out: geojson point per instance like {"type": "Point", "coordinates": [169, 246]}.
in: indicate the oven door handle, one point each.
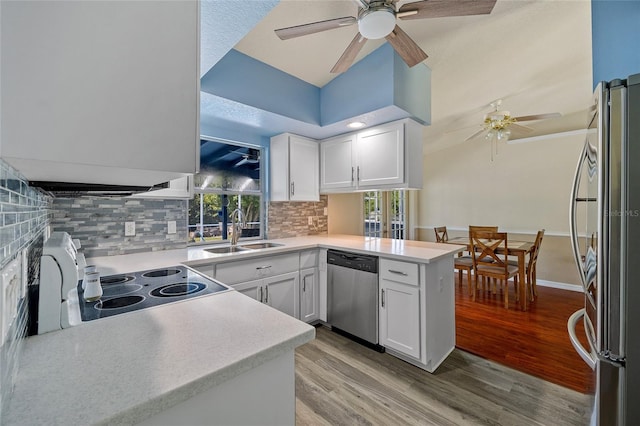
{"type": "Point", "coordinates": [587, 356]}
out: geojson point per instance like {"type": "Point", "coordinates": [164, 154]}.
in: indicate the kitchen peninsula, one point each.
{"type": "Point", "coordinates": [191, 358]}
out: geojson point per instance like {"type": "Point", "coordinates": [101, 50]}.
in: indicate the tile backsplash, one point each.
{"type": "Point", "coordinates": [291, 218]}
{"type": "Point", "coordinates": [23, 220]}
{"type": "Point", "coordinates": [99, 222]}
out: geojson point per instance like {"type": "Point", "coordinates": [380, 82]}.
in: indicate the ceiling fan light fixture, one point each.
{"type": "Point", "coordinates": [376, 23]}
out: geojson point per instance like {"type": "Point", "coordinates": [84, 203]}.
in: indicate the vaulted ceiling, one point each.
{"type": "Point", "coordinates": [535, 55]}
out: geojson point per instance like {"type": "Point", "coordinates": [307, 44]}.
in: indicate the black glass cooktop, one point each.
{"type": "Point", "coordinates": [138, 290]}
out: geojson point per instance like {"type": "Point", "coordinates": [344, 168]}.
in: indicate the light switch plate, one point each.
{"type": "Point", "coordinates": [310, 220]}
{"type": "Point", "coordinates": [171, 227]}
{"type": "Point", "coordinates": [129, 229]}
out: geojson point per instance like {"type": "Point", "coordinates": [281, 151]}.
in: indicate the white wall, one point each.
{"type": "Point", "coordinates": [525, 188]}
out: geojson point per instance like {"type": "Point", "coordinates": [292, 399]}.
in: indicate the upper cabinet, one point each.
{"type": "Point", "coordinates": [181, 189]}
{"type": "Point", "coordinates": [293, 168]}
{"type": "Point", "coordinates": [100, 92]}
{"type": "Point", "coordinates": [382, 157]}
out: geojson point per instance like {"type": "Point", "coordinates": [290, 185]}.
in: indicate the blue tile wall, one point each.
{"type": "Point", "coordinates": [23, 219]}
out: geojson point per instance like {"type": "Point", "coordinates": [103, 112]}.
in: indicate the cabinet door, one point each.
{"type": "Point", "coordinates": [400, 317]}
{"type": "Point", "coordinates": [336, 163]}
{"type": "Point", "coordinates": [253, 289]}
{"type": "Point", "coordinates": [121, 87]}
{"type": "Point", "coordinates": [380, 156]}
{"type": "Point", "coordinates": [281, 293]}
{"type": "Point", "coordinates": [303, 170]}
{"type": "Point", "coordinates": [309, 303]}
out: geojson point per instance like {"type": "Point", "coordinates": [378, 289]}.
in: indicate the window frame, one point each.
{"type": "Point", "coordinates": [197, 191]}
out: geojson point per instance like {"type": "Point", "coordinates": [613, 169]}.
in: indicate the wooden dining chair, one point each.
{"type": "Point", "coordinates": [484, 247]}
{"type": "Point", "coordinates": [441, 234]}
{"type": "Point", "coordinates": [460, 263]}
{"type": "Point", "coordinates": [530, 271]}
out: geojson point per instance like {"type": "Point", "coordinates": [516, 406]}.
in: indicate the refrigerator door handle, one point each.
{"type": "Point", "coordinates": [586, 355]}
{"type": "Point", "coordinates": [572, 217]}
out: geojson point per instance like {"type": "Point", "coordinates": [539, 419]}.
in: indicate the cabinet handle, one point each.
{"type": "Point", "coordinates": [293, 188]}
{"type": "Point", "coordinates": [358, 173]}
{"type": "Point", "coordinates": [260, 293]}
{"type": "Point", "coordinates": [266, 294]}
{"type": "Point", "coordinates": [404, 274]}
{"type": "Point", "coordinates": [352, 172]}
{"type": "Point", "coordinates": [304, 284]}
{"type": "Point", "coordinates": [263, 267]}
{"type": "Point", "coordinates": [382, 299]}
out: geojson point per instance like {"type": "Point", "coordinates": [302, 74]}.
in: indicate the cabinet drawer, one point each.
{"type": "Point", "coordinates": [308, 259]}
{"type": "Point", "coordinates": [251, 269]}
{"type": "Point", "coordinates": [401, 272]}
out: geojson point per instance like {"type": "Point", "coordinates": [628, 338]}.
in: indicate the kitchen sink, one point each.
{"type": "Point", "coordinates": [256, 246]}
{"type": "Point", "coordinates": [224, 250]}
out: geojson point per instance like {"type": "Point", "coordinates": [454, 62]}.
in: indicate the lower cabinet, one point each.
{"type": "Point", "coordinates": [279, 292]}
{"type": "Point", "coordinates": [400, 317]}
{"type": "Point", "coordinates": [309, 292]}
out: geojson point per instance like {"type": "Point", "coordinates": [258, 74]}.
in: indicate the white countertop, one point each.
{"type": "Point", "coordinates": [413, 251]}
{"type": "Point", "coordinates": [125, 368]}
{"type": "Point", "coordinates": [122, 369]}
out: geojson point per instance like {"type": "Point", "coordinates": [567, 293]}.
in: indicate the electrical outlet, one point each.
{"type": "Point", "coordinates": [171, 227]}
{"type": "Point", "coordinates": [129, 229]}
{"type": "Point", "coordinates": [310, 220]}
{"type": "Point", "coordinates": [325, 212]}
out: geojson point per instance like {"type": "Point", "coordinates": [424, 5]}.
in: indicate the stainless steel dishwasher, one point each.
{"type": "Point", "coordinates": [352, 286]}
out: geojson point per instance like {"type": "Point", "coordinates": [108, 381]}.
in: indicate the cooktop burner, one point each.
{"type": "Point", "coordinates": [138, 290]}
{"type": "Point", "coordinates": [161, 273]}
{"type": "Point", "coordinates": [116, 279]}
{"type": "Point", "coordinates": [178, 289]}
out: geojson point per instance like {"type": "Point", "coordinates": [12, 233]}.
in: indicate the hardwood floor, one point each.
{"type": "Point", "coordinates": [535, 341]}
{"type": "Point", "coordinates": [339, 382]}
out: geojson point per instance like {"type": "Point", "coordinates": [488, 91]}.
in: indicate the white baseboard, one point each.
{"type": "Point", "coordinates": [562, 286]}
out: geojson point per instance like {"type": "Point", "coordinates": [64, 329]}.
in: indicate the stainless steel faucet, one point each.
{"type": "Point", "coordinates": [237, 223]}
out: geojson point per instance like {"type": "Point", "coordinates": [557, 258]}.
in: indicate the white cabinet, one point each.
{"type": "Point", "coordinates": [337, 166]}
{"type": "Point", "coordinates": [293, 166]}
{"type": "Point", "coordinates": [382, 157]}
{"type": "Point", "coordinates": [400, 307]}
{"type": "Point", "coordinates": [100, 92]}
{"type": "Point", "coordinates": [279, 292]}
{"type": "Point", "coordinates": [309, 290]}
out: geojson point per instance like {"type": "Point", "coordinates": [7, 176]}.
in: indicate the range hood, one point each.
{"type": "Point", "coordinates": [73, 189]}
{"type": "Point", "coordinates": [73, 180]}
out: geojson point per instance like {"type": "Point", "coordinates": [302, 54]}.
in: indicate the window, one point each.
{"type": "Point", "coordinates": [382, 208]}
{"type": "Point", "coordinates": [229, 179]}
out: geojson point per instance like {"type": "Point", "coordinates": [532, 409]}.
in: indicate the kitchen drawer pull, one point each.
{"type": "Point", "coordinates": [358, 173]}
{"type": "Point", "coordinates": [293, 188]}
{"type": "Point", "coordinates": [382, 298]}
{"type": "Point", "coordinates": [266, 294]}
{"type": "Point", "coordinates": [260, 293]}
{"type": "Point", "coordinates": [352, 171]}
{"type": "Point", "coordinates": [263, 267]}
{"type": "Point", "coordinates": [393, 271]}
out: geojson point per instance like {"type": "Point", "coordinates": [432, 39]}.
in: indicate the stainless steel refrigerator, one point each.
{"type": "Point", "coordinates": [605, 234]}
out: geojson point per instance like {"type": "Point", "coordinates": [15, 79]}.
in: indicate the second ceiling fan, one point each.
{"type": "Point", "coordinates": [377, 19]}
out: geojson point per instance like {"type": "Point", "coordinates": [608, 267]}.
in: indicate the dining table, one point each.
{"type": "Point", "coordinates": [515, 248]}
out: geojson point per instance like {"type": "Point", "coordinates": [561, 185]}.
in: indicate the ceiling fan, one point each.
{"type": "Point", "coordinates": [252, 157]}
{"type": "Point", "coordinates": [377, 19]}
{"type": "Point", "coordinates": [499, 124]}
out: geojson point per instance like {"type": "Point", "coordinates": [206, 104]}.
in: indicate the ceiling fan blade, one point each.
{"type": "Point", "coordinates": [349, 55]}
{"type": "Point", "coordinates": [475, 135]}
{"type": "Point", "coordinates": [444, 8]}
{"type": "Point", "coordinates": [314, 27]}
{"type": "Point", "coordinates": [538, 116]}
{"type": "Point", "coordinates": [408, 50]}
{"type": "Point", "coordinates": [520, 127]}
